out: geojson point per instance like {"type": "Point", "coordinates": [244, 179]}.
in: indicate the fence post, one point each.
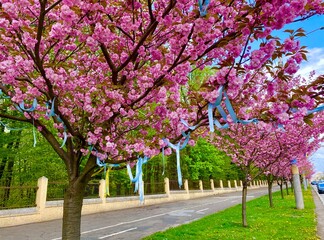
{"type": "Point", "coordinates": [229, 183]}
{"type": "Point", "coordinates": [221, 184]}
{"type": "Point", "coordinates": [167, 186]}
{"type": "Point", "coordinates": [212, 186]}
{"type": "Point", "coordinates": [241, 184]}
{"type": "Point", "coordinates": [102, 190]}
{"type": "Point", "coordinates": [41, 193]}
{"type": "Point", "coordinates": [235, 184]}
{"type": "Point", "coordinates": [201, 188]}
{"type": "Point", "coordinates": [186, 186]}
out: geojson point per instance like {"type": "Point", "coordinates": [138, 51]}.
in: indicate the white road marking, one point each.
{"type": "Point", "coordinates": [249, 196]}
{"type": "Point", "coordinates": [191, 220]}
{"type": "Point", "coordinates": [183, 213]}
{"type": "Point", "coordinates": [113, 234]}
{"type": "Point", "coordinates": [228, 197]}
{"type": "Point", "coordinates": [202, 210]}
{"type": "Point", "coordinates": [142, 219]}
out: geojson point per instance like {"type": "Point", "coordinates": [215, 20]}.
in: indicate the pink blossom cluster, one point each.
{"type": "Point", "coordinates": [117, 71]}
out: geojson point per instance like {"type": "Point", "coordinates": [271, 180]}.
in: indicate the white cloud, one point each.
{"type": "Point", "coordinates": [318, 159]}
{"type": "Point", "coordinates": [315, 62]}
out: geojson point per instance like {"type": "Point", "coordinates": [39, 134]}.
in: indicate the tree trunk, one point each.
{"type": "Point", "coordinates": [73, 199]}
{"type": "Point", "coordinates": [281, 190]}
{"type": "Point", "coordinates": [244, 197]}
{"type": "Point", "coordinates": [270, 194]}
{"type": "Point", "coordinates": [287, 189]}
{"type": "Point", "coordinates": [270, 182]}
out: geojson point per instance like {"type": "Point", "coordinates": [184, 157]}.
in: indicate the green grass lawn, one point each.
{"type": "Point", "coordinates": [265, 223]}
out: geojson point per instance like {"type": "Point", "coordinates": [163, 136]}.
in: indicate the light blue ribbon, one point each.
{"type": "Point", "coordinates": [163, 162]}
{"type": "Point", "coordinates": [113, 165]}
{"type": "Point", "coordinates": [31, 109]}
{"type": "Point", "coordinates": [34, 134]}
{"type": "Point", "coordinates": [211, 107]}
{"type": "Point", "coordinates": [230, 108]}
{"type": "Point", "coordinates": [102, 163]}
{"type": "Point", "coordinates": [2, 95]}
{"type": "Point", "coordinates": [293, 162]}
{"type": "Point", "coordinates": [177, 147]}
{"type": "Point", "coordinates": [21, 108]}
{"type": "Point", "coordinates": [52, 113]}
{"type": "Point", "coordinates": [318, 109]}
{"type": "Point", "coordinates": [254, 120]}
{"type": "Point", "coordinates": [11, 129]}
{"type": "Point", "coordinates": [192, 128]}
{"type": "Point", "coordinates": [138, 179]}
{"type": "Point", "coordinates": [228, 105]}
{"type": "Point", "coordinates": [203, 5]}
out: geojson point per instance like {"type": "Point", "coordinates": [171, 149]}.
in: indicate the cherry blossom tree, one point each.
{"type": "Point", "coordinates": [279, 134]}
{"type": "Point", "coordinates": [102, 80]}
{"type": "Point", "coordinates": [261, 148]}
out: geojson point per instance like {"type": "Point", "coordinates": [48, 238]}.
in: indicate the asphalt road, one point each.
{"type": "Point", "coordinates": [134, 223]}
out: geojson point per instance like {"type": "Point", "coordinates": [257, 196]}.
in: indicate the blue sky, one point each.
{"type": "Point", "coordinates": [315, 46]}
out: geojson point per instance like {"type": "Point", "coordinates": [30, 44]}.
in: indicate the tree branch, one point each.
{"type": "Point", "coordinates": [7, 116]}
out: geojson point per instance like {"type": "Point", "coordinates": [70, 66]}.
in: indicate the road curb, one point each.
{"type": "Point", "coordinates": [319, 210]}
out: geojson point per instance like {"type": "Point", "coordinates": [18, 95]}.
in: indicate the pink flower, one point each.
{"type": "Point", "coordinates": [161, 111]}
{"type": "Point", "coordinates": [57, 31]}
{"type": "Point", "coordinates": [10, 8]}
{"type": "Point", "coordinates": [156, 55]}
{"type": "Point", "coordinates": [292, 67]}
{"type": "Point", "coordinates": [67, 15]}
{"type": "Point", "coordinates": [290, 45]}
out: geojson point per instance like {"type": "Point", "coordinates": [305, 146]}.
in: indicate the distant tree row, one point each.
{"type": "Point", "coordinates": [21, 164]}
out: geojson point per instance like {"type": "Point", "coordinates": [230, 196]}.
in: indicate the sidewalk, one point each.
{"type": "Point", "coordinates": [319, 213]}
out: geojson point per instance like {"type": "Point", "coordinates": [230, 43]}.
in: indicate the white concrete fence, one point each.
{"type": "Point", "coordinates": [50, 210]}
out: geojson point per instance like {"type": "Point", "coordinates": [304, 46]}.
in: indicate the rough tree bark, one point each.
{"type": "Point", "coordinates": [287, 189]}
{"type": "Point", "coordinates": [72, 208]}
{"type": "Point", "coordinates": [244, 197]}
{"type": "Point", "coordinates": [280, 183]}
{"type": "Point", "coordinates": [270, 183]}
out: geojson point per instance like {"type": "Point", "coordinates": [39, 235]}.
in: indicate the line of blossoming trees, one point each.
{"type": "Point", "coordinates": [110, 79]}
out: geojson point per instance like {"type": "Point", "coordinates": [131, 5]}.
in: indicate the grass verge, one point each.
{"type": "Point", "coordinates": [265, 223]}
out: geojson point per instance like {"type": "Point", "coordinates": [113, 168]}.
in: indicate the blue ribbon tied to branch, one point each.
{"type": "Point", "coordinates": [138, 179]}
{"type": "Point", "coordinates": [318, 109]}
{"type": "Point", "coordinates": [31, 109]}
{"type": "Point", "coordinates": [21, 108]}
{"type": "Point", "coordinates": [217, 104]}
{"type": "Point", "coordinates": [3, 96]}
{"type": "Point", "coordinates": [51, 113]}
{"type": "Point", "coordinates": [177, 147]}
{"type": "Point", "coordinates": [203, 5]}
